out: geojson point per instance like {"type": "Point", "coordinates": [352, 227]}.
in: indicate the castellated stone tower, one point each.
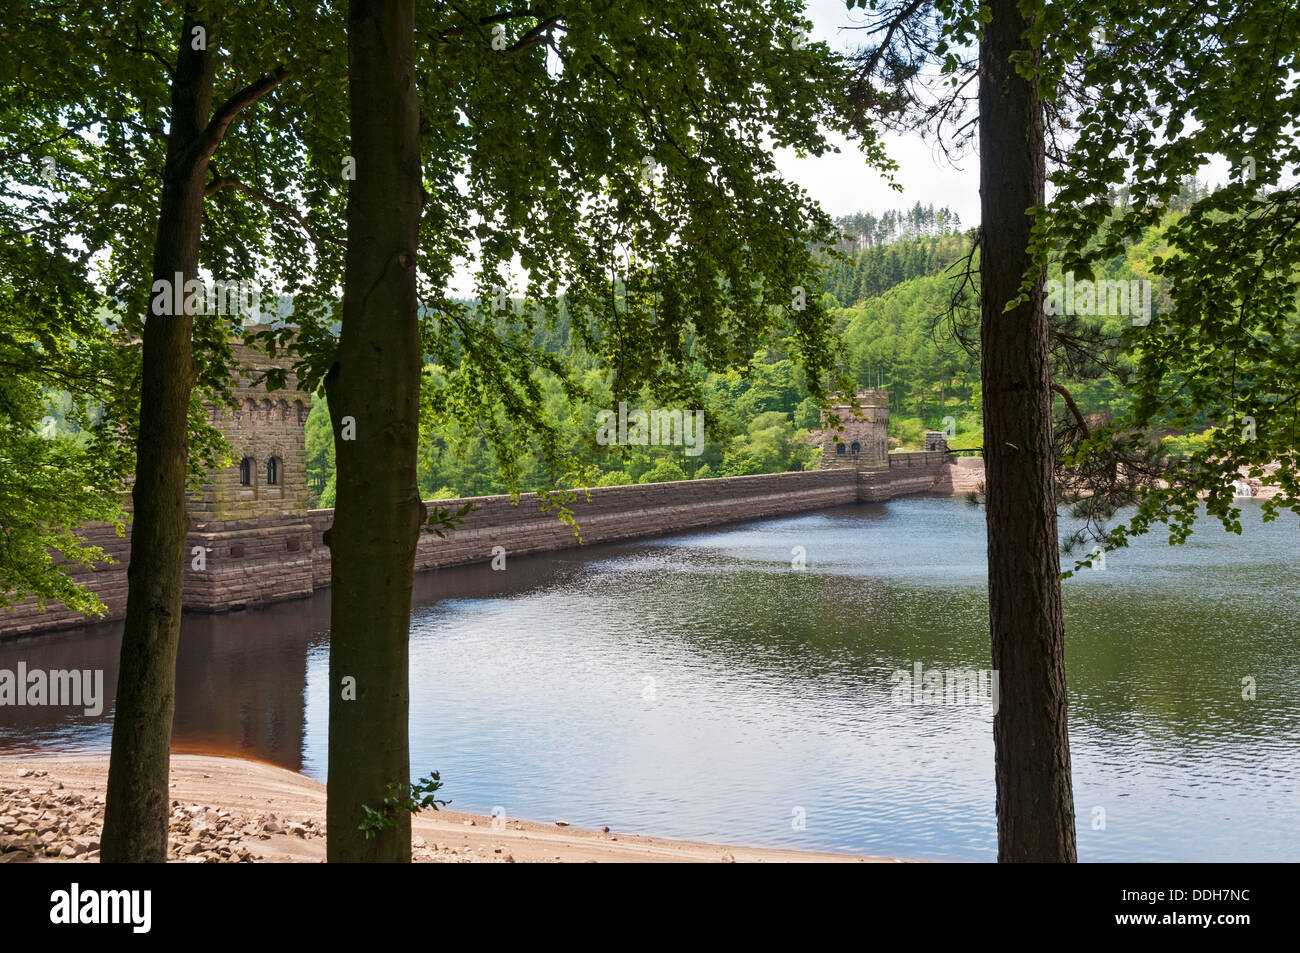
{"type": "Point", "coordinates": [864, 442]}
{"type": "Point", "coordinates": [266, 433]}
{"type": "Point", "coordinates": [249, 540]}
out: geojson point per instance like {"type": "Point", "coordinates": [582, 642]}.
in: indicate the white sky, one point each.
{"type": "Point", "coordinates": [843, 183]}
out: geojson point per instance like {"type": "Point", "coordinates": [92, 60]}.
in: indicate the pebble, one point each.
{"type": "Point", "coordinates": [57, 823]}
{"type": "Point", "coordinates": [60, 824]}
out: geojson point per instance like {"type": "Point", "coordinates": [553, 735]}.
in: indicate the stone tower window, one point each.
{"type": "Point", "coordinates": [246, 471]}
{"type": "Point", "coordinates": [857, 448]}
{"type": "Point", "coordinates": [839, 449]}
{"type": "Point", "coordinates": [273, 471]}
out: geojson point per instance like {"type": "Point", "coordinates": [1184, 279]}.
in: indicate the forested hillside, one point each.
{"type": "Point", "coordinates": [890, 285]}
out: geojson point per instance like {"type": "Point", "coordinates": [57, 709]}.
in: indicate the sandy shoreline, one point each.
{"type": "Point", "coordinates": [254, 811]}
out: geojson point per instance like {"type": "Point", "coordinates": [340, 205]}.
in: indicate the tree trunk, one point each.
{"type": "Point", "coordinates": [376, 381]}
{"type": "Point", "coordinates": [135, 815]}
{"type": "Point", "coordinates": [1035, 804]}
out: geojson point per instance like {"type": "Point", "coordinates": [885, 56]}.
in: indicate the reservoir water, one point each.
{"type": "Point", "coordinates": [702, 686]}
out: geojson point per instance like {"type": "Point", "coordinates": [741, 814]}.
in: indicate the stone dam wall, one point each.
{"type": "Point", "coordinates": [257, 561]}
{"type": "Point", "coordinates": [611, 513]}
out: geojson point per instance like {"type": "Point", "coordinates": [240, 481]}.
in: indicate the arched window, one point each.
{"type": "Point", "coordinates": [273, 471]}
{"type": "Point", "coordinates": [246, 471]}
{"type": "Point", "coordinates": [839, 448]}
{"type": "Point", "coordinates": [857, 448]}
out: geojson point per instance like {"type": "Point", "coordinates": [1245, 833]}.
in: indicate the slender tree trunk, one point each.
{"type": "Point", "coordinates": [376, 382]}
{"type": "Point", "coordinates": [1035, 803]}
{"type": "Point", "coordinates": [135, 815]}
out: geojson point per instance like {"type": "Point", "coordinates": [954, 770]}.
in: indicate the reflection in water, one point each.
{"type": "Point", "coordinates": [699, 686]}
{"type": "Point", "coordinates": [239, 684]}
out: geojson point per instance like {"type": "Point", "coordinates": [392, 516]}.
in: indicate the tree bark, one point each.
{"type": "Point", "coordinates": [136, 811]}
{"type": "Point", "coordinates": [376, 382]}
{"type": "Point", "coordinates": [1035, 804]}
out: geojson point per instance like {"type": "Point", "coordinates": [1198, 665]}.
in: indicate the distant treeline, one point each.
{"type": "Point", "coordinates": [889, 288]}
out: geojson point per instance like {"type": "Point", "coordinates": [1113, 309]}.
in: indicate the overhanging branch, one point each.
{"type": "Point", "coordinates": [1074, 409]}
{"type": "Point", "coordinates": [221, 120]}
{"type": "Point", "coordinates": [220, 182]}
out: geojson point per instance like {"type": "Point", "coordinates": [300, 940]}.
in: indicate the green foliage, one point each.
{"type": "Point", "coordinates": [908, 431]}
{"type": "Point", "coordinates": [662, 472]}
{"type": "Point", "coordinates": [443, 521]}
{"type": "Point", "coordinates": [649, 194]}
{"type": "Point", "coordinates": [771, 444]}
{"type": "Point", "coordinates": [327, 496]}
{"type": "Point", "coordinates": [881, 256]}
{"type": "Point", "coordinates": [401, 797]}
{"type": "Point", "coordinates": [1173, 86]}
{"type": "Point", "coordinates": [898, 339]}
{"type": "Point", "coordinates": [808, 414]}
{"type": "Point", "coordinates": [1186, 446]}
{"type": "Point", "coordinates": [967, 439]}
{"type": "Point", "coordinates": [83, 142]}
{"type": "Point", "coordinates": [64, 459]}
{"type": "Point", "coordinates": [319, 437]}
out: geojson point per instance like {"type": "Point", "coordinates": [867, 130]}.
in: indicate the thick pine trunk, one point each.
{"type": "Point", "coordinates": [376, 381]}
{"type": "Point", "coordinates": [135, 816]}
{"type": "Point", "coordinates": [1035, 803]}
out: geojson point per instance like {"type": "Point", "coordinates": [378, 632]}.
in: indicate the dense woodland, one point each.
{"type": "Point", "coordinates": [622, 156]}
{"type": "Point", "coordinates": [888, 287]}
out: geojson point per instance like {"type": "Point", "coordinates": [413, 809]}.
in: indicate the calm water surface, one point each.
{"type": "Point", "coordinates": [698, 686]}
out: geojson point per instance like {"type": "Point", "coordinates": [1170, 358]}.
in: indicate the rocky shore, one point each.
{"type": "Point", "coordinates": [40, 819]}
{"type": "Point", "coordinates": [227, 810]}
